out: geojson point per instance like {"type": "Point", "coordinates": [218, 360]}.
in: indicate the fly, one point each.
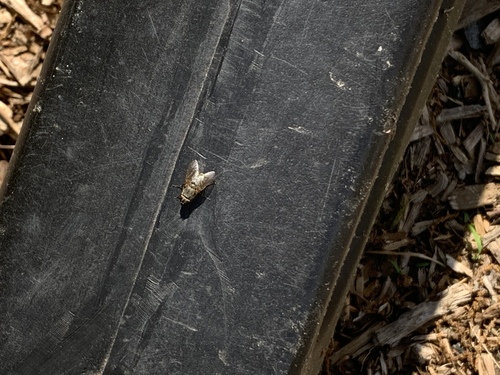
{"type": "Point", "coordinates": [195, 182]}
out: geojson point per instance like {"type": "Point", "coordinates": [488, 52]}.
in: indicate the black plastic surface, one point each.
{"type": "Point", "coordinates": [292, 104]}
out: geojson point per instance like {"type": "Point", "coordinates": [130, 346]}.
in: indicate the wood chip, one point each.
{"type": "Point", "coordinates": [412, 216]}
{"type": "Point", "coordinates": [357, 346]}
{"type": "Point", "coordinates": [440, 185]}
{"type": "Point", "coordinates": [454, 296]}
{"type": "Point", "coordinates": [491, 33]}
{"type": "Point", "coordinates": [493, 171]}
{"type": "Point", "coordinates": [424, 128]}
{"type": "Point", "coordinates": [494, 57]}
{"type": "Point", "coordinates": [421, 226]}
{"type": "Point", "coordinates": [489, 287]}
{"type": "Point", "coordinates": [419, 152]}
{"type": "Point", "coordinates": [479, 224]}
{"type": "Point", "coordinates": [21, 8]}
{"type": "Point", "coordinates": [396, 245]}
{"type": "Point", "coordinates": [439, 146]}
{"type": "Point", "coordinates": [491, 312]}
{"type": "Point", "coordinates": [424, 353]}
{"type": "Point", "coordinates": [494, 248]}
{"type": "Point", "coordinates": [496, 148]}
{"type": "Point", "coordinates": [449, 189]}
{"type": "Point", "coordinates": [460, 155]}
{"type": "Point", "coordinates": [474, 196]}
{"type": "Point", "coordinates": [5, 16]}
{"type": "Point", "coordinates": [457, 266]}
{"type": "Point", "coordinates": [21, 66]}
{"type": "Point", "coordinates": [6, 118]}
{"type": "Point", "coordinates": [458, 113]}
{"type": "Point", "coordinates": [473, 138]}
{"type": "Point", "coordinates": [491, 156]}
{"type": "Point", "coordinates": [445, 346]}
{"type": "Point", "coordinates": [462, 170]}
{"type": "Point", "coordinates": [492, 235]}
{"type": "Point", "coordinates": [421, 132]}
{"type": "Point", "coordinates": [448, 133]}
{"type": "Point", "coordinates": [485, 364]}
{"type": "Point", "coordinates": [419, 196]}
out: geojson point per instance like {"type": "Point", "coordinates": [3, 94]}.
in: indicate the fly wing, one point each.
{"type": "Point", "coordinates": [192, 170]}
{"type": "Point", "coordinates": [208, 179]}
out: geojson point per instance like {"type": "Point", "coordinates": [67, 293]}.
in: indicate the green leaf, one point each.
{"type": "Point", "coordinates": [396, 266]}
{"type": "Point", "coordinates": [477, 238]}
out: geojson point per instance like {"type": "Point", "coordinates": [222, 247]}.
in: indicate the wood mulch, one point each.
{"type": "Point", "coordinates": [425, 299]}
{"type": "Point", "coordinates": [25, 30]}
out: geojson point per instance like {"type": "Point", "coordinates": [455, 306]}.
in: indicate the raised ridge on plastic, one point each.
{"type": "Point", "coordinates": [293, 104]}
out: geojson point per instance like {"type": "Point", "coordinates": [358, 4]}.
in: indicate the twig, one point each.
{"type": "Point", "coordinates": [483, 80]}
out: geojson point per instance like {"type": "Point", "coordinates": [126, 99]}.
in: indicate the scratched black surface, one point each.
{"type": "Point", "coordinates": [291, 103]}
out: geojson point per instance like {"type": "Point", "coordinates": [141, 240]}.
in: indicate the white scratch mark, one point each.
{"type": "Point", "coordinates": [197, 153]}
{"type": "Point", "coordinates": [221, 158]}
{"type": "Point", "coordinates": [219, 266]}
{"type": "Point", "coordinates": [257, 61]}
{"type": "Point", "coordinates": [289, 64]}
{"type": "Point", "coordinates": [182, 325]}
{"type": "Point", "coordinates": [299, 129]}
{"type": "Point", "coordinates": [145, 54]}
{"type": "Point", "coordinates": [328, 187]}
{"type": "Point", "coordinates": [154, 28]}
{"type": "Point", "coordinates": [226, 288]}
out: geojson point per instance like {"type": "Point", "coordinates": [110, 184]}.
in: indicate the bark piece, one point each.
{"type": "Point", "coordinates": [454, 296]}
{"type": "Point", "coordinates": [458, 113]}
{"type": "Point", "coordinates": [474, 196]}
